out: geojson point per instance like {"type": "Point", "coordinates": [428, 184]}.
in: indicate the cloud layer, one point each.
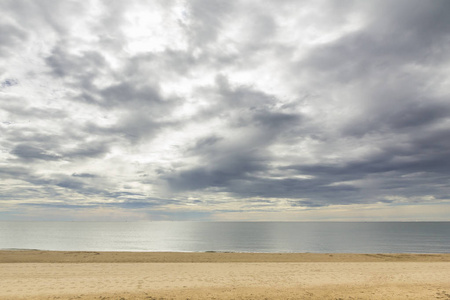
{"type": "Point", "coordinates": [224, 110]}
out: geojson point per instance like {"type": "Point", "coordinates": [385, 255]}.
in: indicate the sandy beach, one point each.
{"type": "Point", "coordinates": [128, 275]}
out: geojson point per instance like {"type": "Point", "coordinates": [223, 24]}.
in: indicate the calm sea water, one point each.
{"type": "Point", "coordinates": [339, 237]}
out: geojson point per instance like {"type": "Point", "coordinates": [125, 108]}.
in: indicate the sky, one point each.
{"type": "Point", "coordinates": [225, 110]}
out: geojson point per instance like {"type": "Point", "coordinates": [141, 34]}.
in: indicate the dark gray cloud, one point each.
{"type": "Point", "coordinates": [84, 175]}
{"type": "Point", "coordinates": [397, 33]}
{"type": "Point", "coordinates": [211, 109]}
{"type": "Point", "coordinates": [9, 82]}
{"type": "Point", "coordinates": [87, 64]}
{"type": "Point", "coordinates": [28, 152]}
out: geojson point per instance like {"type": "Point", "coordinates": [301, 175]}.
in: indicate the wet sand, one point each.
{"type": "Point", "coordinates": [128, 275]}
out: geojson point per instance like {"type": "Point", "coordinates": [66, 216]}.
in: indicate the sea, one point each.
{"type": "Point", "coordinates": [262, 237]}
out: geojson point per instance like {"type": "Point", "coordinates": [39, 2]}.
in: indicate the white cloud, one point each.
{"type": "Point", "coordinates": [210, 109]}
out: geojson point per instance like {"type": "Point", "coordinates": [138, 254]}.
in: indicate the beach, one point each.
{"type": "Point", "coordinates": [150, 275]}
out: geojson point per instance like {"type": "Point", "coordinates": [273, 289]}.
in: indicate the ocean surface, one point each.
{"type": "Point", "coordinates": [319, 237]}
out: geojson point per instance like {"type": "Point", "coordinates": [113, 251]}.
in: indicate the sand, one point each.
{"type": "Point", "coordinates": [115, 275]}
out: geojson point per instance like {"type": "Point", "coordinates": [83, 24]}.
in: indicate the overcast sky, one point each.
{"type": "Point", "coordinates": [225, 110]}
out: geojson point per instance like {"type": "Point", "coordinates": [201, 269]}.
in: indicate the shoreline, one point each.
{"type": "Point", "coordinates": [41, 256]}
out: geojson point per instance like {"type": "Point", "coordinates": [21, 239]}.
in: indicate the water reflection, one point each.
{"type": "Point", "coordinates": [228, 236]}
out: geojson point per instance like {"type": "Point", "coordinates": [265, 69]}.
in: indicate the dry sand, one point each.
{"type": "Point", "coordinates": [115, 275]}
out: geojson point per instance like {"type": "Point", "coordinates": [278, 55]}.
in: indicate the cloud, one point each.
{"type": "Point", "coordinates": [211, 109]}
{"type": "Point", "coordinates": [84, 175]}
{"type": "Point", "coordinates": [10, 37]}
{"type": "Point", "coordinates": [27, 152]}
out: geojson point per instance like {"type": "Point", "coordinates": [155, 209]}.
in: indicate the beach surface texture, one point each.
{"type": "Point", "coordinates": [150, 275]}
